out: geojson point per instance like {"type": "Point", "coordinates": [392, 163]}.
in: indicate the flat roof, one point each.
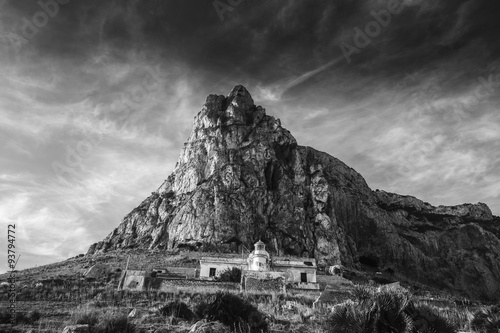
{"type": "Point", "coordinates": [294, 262]}
{"type": "Point", "coordinates": [224, 259]}
{"type": "Point", "coordinates": [277, 261]}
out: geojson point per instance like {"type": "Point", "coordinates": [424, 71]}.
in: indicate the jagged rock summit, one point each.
{"type": "Point", "coordinates": [242, 177]}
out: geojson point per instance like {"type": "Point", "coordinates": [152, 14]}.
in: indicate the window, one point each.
{"type": "Point", "coordinates": [212, 272]}
{"type": "Point", "coordinates": [303, 277]}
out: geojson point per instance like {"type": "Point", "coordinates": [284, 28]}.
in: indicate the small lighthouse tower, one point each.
{"type": "Point", "coordinates": [258, 260]}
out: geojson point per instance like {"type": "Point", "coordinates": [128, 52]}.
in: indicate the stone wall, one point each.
{"type": "Point", "coordinates": [267, 286]}
{"type": "Point", "coordinates": [168, 285]}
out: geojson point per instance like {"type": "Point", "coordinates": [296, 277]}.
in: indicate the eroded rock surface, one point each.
{"type": "Point", "coordinates": [241, 176]}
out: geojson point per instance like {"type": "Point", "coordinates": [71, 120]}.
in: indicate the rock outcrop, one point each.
{"type": "Point", "coordinates": [241, 176]}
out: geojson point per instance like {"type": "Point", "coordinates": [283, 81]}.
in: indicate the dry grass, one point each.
{"type": "Point", "coordinates": [292, 312]}
{"type": "Point", "coordinates": [283, 312]}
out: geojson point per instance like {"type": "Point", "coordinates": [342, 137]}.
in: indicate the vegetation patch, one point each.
{"type": "Point", "coordinates": [102, 320]}
{"type": "Point", "coordinates": [177, 309]}
{"type": "Point", "coordinates": [234, 312]}
{"type": "Point", "coordinates": [385, 312]}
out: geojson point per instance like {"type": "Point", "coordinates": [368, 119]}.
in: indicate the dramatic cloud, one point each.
{"type": "Point", "coordinates": [98, 97]}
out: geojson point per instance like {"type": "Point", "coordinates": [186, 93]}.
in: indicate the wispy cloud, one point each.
{"type": "Point", "coordinates": [119, 83]}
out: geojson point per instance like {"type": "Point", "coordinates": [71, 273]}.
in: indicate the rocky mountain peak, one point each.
{"type": "Point", "coordinates": [240, 97]}
{"type": "Point", "coordinates": [242, 177]}
{"type": "Point", "coordinates": [237, 108]}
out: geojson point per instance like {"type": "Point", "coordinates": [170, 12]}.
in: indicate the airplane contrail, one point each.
{"type": "Point", "coordinates": [298, 80]}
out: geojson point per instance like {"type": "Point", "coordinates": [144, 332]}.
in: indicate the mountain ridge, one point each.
{"type": "Point", "coordinates": [241, 176]}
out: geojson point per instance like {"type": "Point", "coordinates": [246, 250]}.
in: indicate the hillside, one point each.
{"type": "Point", "coordinates": [241, 177]}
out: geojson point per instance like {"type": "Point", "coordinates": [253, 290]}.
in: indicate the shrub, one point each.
{"type": "Point", "coordinates": [426, 320]}
{"type": "Point", "coordinates": [114, 323]}
{"type": "Point", "coordinates": [362, 293]}
{"type": "Point", "coordinates": [230, 275]}
{"type": "Point", "coordinates": [21, 317]}
{"type": "Point", "coordinates": [487, 320]}
{"type": "Point", "coordinates": [348, 317]}
{"type": "Point", "coordinates": [89, 317]}
{"type": "Point", "coordinates": [102, 321]}
{"type": "Point", "coordinates": [390, 312]}
{"type": "Point", "coordinates": [177, 309]}
{"type": "Point", "coordinates": [33, 316]}
{"type": "Point", "coordinates": [385, 312]}
{"type": "Point", "coordinates": [5, 316]}
{"type": "Point", "coordinates": [234, 312]}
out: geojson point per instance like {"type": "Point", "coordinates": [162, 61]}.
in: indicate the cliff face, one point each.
{"type": "Point", "coordinates": [241, 176]}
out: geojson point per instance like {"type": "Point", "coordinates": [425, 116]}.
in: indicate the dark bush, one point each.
{"type": "Point", "coordinates": [362, 293]}
{"type": "Point", "coordinates": [390, 312]}
{"type": "Point", "coordinates": [426, 320]}
{"type": "Point", "coordinates": [201, 309]}
{"type": "Point", "coordinates": [113, 323]}
{"type": "Point", "coordinates": [90, 318]}
{"type": "Point", "coordinates": [177, 309]}
{"type": "Point", "coordinates": [350, 318]}
{"type": "Point", "coordinates": [5, 316]}
{"type": "Point", "coordinates": [21, 317]}
{"type": "Point", "coordinates": [230, 275]}
{"type": "Point", "coordinates": [33, 316]}
{"type": "Point", "coordinates": [384, 312]}
{"type": "Point", "coordinates": [102, 322]}
{"type": "Point", "coordinates": [487, 320]}
{"type": "Point", "coordinates": [234, 312]}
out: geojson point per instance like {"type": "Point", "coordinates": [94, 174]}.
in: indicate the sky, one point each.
{"type": "Point", "coordinates": [98, 97]}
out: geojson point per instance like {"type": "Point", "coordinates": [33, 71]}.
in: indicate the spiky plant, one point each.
{"type": "Point", "coordinates": [362, 293]}
{"type": "Point", "coordinates": [350, 317]}
{"type": "Point", "coordinates": [487, 320]}
{"type": "Point", "coordinates": [426, 320]}
{"type": "Point", "coordinates": [391, 316]}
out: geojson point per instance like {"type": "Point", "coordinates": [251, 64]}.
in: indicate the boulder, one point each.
{"type": "Point", "coordinates": [98, 271]}
{"type": "Point", "coordinates": [203, 326]}
{"type": "Point", "coordinates": [135, 313]}
{"type": "Point", "coordinates": [76, 329]}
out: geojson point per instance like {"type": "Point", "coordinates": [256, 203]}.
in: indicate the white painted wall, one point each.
{"type": "Point", "coordinates": [296, 272]}
{"type": "Point", "coordinates": [219, 268]}
{"type": "Point", "coordinates": [258, 263]}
